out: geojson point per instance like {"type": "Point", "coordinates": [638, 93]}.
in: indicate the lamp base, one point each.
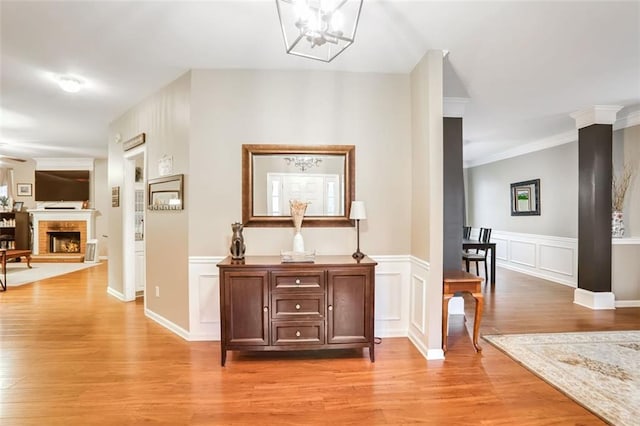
{"type": "Point", "coordinates": [358, 255]}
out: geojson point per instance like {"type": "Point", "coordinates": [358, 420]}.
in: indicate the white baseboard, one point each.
{"type": "Point", "coordinates": [116, 294]}
{"type": "Point", "coordinates": [627, 303]}
{"type": "Point", "coordinates": [594, 300]}
{"type": "Point", "coordinates": [167, 324]}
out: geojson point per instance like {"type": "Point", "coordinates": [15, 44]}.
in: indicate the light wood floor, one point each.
{"type": "Point", "coordinates": [72, 355]}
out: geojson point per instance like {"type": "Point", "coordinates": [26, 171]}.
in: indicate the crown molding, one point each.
{"type": "Point", "coordinates": [550, 142]}
{"type": "Point", "coordinates": [597, 114]}
{"type": "Point", "coordinates": [633, 119]}
{"type": "Point", "coordinates": [454, 107]}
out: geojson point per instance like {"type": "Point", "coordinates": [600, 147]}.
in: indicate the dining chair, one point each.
{"type": "Point", "coordinates": [466, 232]}
{"type": "Point", "coordinates": [480, 255]}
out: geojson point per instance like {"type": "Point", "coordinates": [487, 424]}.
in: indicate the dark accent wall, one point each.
{"type": "Point", "coordinates": [594, 207]}
{"type": "Point", "coordinates": [453, 193]}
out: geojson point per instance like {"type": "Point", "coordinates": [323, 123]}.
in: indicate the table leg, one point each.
{"type": "Point", "coordinates": [478, 317]}
{"type": "Point", "coordinates": [29, 261]}
{"type": "Point", "coordinates": [493, 266]}
{"type": "Point", "coordinates": [3, 282]}
{"type": "Point", "coordinates": [445, 320]}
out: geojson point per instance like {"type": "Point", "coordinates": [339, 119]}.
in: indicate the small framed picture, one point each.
{"type": "Point", "coordinates": [17, 206]}
{"type": "Point", "coordinates": [115, 196]}
{"type": "Point", "coordinates": [24, 190]}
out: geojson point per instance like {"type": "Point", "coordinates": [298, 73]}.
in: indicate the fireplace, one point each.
{"type": "Point", "coordinates": [64, 242]}
{"type": "Point", "coordinates": [47, 222]}
{"type": "Point", "coordinates": [62, 237]}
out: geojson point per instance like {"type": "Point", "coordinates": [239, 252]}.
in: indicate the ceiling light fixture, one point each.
{"type": "Point", "coordinates": [303, 163]}
{"type": "Point", "coordinates": [318, 29]}
{"type": "Point", "coordinates": [70, 84]}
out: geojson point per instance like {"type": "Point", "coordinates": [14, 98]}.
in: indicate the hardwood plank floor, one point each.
{"type": "Point", "coordinates": [70, 355]}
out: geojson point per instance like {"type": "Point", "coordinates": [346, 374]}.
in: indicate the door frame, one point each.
{"type": "Point", "coordinates": [128, 219]}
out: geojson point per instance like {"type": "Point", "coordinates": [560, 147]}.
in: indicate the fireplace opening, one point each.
{"type": "Point", "coordinates": [64, 242]}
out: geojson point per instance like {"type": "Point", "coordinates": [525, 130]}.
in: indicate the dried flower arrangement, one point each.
{"type": "Point", "coordinates": [297, 212]}
{"type": "Point", "coordinates": [620, 185]}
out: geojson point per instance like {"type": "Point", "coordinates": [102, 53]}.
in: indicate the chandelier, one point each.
{"type": "Point", "coordinates": [303, 162]}
{"type": "Point", "coordinates": [318, 29]}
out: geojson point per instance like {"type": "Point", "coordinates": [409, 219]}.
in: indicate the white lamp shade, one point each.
{"type": "Point", "coordinates": [357, 210]}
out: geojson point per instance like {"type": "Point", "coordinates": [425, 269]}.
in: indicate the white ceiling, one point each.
{"type": "Point", "coordinates": [524, 65]}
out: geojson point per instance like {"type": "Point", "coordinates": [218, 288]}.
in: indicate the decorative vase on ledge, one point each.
{"type": "Point", "coordinates": [617, 224]}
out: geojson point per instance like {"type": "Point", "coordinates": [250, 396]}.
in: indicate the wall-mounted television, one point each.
{"type": "Point", "coordinates": [62, 185]}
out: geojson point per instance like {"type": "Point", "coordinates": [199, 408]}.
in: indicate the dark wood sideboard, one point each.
{"type": "Point", "coordinates": [266, 305]}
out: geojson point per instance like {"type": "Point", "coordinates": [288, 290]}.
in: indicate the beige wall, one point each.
{"type": "Point", "coordinates": [24, 173]}
{"type": "Point", "coordinates": [627, 144]}
{"type": "Point", "coordinates": [427, 193]}
{"type": "Point", "coordinates": [625, 272]}
{"type": "Point", "coordinates": [164, 117]}
{"type": "Point", "coordinates": [102, 203]}
{"type": "Point", "coordinates": [231, 108]}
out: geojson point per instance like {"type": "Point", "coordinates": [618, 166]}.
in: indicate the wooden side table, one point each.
{"type": "Point", "coordinates": [454, 281]}
{"type": "Point", "coordinates": [11, 254]}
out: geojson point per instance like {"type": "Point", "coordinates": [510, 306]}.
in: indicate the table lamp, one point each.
{"type": "Point", "coordinates": [358, 212]}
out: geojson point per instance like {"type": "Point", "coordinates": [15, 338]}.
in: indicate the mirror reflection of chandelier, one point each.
{"type": "Point", "coordinates": [303, 162]}
{"type": "Point", "coordinates": [318, 29]}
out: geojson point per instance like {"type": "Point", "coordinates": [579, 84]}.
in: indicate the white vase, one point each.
{"type": "Point", "coordinates": [617, 224]}
{"type": "Point", "coordinates": [298, 243]}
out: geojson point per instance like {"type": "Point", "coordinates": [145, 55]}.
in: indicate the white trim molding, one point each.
{"type": "Point", "coordinates": [625, 241]}
{"type": "Point", "coordinates": [632, 119]}
{"type": "Point", "coordinates": [594, 300]}
{"type": "Point", "coordinates": [454, 107]}
{"type": "Point", "coordinates": [596, 114]}
{"type": "Point", "coordinates": [116, 294]}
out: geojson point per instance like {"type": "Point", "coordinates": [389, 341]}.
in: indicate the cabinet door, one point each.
{"type": "Point", "coordinates": [246, 308]}
{"type": "Point", "coordinates": [349, 310]}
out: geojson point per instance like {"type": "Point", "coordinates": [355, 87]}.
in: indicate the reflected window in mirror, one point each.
{"type": "Point", "coordinates": [525, 198]}
{"type": "Point", "coordinates": [275, 174]}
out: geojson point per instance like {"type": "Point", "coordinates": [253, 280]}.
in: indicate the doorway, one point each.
{"type": "Point", "coordinates": [133, 203]}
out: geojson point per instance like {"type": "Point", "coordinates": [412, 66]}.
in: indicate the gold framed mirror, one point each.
{"type": "Point", "coordinates": [272, 175]}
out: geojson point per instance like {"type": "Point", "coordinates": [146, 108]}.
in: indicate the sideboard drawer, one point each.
{"type": "Point", "coordinates": [297, 332]}
{"type": "Point", "coordinates": [297, 306]}
{"type": "Point", "coordinates": [298, 280]}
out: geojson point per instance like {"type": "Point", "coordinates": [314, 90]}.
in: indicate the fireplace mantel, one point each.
{"type": "Point", "coordinates": [38, 215]}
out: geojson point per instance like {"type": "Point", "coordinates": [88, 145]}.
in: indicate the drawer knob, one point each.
{"type": "Point", "coordinates": [298, 281]}
{"type": "Point", "coordinates": [298, 333]}
{"type": "Point", "coordinates": [297, 306]}
{"type": "Point", "coordinates": [265, 309]}
{"type": "Point", "coordinates": [330, 307]}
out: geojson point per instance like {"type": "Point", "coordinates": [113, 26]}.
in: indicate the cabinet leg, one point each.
{"type": "Point", "coordinates": [223, 356]}
{"type": "Point", "coordinates": [372, 355]}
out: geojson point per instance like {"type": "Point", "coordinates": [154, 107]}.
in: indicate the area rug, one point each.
{"type": "Point", "coordinates": [19, 274]}
{"type": "Point", "coordinates": [599, 370]}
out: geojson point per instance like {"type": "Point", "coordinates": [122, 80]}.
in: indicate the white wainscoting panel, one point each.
{"type": "Point", "coordinates": [522, 252]}
{"type": "Point", "coordinates": [556, 259]}
{"type": "Point", "coordinates": [392, 296]}
{"type": "Point", "coordinates": [551, 258]}
{"type": "Point", "coordinates": [419, 279]}
{"type": "Point", "coordinates": [391, 303]}
{"type": "Point", "coordinates": [204, 298]}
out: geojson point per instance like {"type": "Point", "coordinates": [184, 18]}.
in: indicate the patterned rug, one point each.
{"type": "Point", "coordinates": [599, 370]}
{"type": "Point", "coordinates": [19, 274]}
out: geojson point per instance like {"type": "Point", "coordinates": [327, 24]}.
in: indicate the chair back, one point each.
{"type": "Point", "coordinates": [486, 236]}
{"type": "Point", "coordinates": [466, 232]}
